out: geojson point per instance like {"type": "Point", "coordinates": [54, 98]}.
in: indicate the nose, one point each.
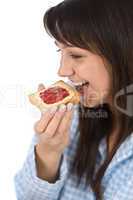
{"type": "Point", "coordinates": [66, 68]}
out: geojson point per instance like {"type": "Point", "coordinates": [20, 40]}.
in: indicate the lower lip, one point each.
{"type": "Point", "coordinates": [84, 95]}
{"type": "Point", "coordinates": [83, 90]}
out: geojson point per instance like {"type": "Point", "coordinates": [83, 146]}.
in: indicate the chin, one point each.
{"type": "Point", "coordinates": [91, 104]}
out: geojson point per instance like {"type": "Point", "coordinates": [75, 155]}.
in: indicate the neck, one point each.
{"type": "Point", "coordinates": [112, 139]}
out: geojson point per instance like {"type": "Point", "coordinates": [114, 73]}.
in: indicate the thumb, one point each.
{"type": "Point", "coordinates": [41, 87]}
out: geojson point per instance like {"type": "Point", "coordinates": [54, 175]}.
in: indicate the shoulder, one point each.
{"type": "Point", "coordinates": [118, 178]}
{"type": "Point", "coordinates": [124, 152]}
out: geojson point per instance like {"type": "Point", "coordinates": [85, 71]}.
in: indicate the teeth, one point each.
{"type": "Point", "coordinates": [80, 84]}
{"type": "Point", "coordinates": [77, 84]}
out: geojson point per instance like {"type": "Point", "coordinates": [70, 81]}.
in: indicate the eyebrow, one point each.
{"type": "Point", "coordinates": [65, 45]}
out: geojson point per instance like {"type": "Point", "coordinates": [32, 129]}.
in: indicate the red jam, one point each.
{"type": "Point", "coordinates": [53, 94]}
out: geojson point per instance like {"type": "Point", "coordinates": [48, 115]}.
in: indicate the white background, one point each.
{"type": "Point", "coordinates": [27, 57]}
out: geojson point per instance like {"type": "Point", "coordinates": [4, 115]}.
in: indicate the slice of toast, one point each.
{"type": "Point", "coordinates": [73, 96]}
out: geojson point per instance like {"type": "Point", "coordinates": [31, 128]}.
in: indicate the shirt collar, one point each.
{"type": "Point", "coordinates": [124, 151]}
{"type": "Point", "coordinates": [103, 149]}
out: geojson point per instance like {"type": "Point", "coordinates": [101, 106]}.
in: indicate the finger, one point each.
{"type": "Point", "coordinates": [66, 121]}
{"type": "Point", "coordinates": [55, 122]}
{"type": "Point", "coordinates": [41, 87]}
{"type": "Point", "coordinates": [42, 124]}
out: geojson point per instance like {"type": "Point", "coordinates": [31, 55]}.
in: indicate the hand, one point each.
{"type": "Point", "coordinates": [53, 132]}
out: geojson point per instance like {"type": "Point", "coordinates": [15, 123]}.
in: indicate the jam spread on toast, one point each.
{"type": "Point", "coordinates": [53, 94]}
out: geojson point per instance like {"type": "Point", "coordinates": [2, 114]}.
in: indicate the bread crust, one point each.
{"type": "Point", "coordinates": [74, 96]}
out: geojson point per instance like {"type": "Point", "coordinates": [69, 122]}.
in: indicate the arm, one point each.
{"type": "Point", "coordinates": [29, 186]}
{"type": "Point", "coordinates": [44, 173]}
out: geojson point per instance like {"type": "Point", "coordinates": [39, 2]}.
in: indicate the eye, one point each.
{"type": "Point", "coordinates": [58, 50]}
{"type": "Point", "coordinates": [76, 56]}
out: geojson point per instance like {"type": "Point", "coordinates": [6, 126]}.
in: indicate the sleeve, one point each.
{"type": "Point", "coordinates": [29, 186]}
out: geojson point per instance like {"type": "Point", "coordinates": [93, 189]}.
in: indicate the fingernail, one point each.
{"type": "Point", "coordinates": [53, 109]}
{"type": "Point", "coordinates": [69, 106]}
{"type": "Point", "coordinates": [62, 107]}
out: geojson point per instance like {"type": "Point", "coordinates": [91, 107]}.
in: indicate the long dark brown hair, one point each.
{"type": "Point", "coordinates": [105, 28]}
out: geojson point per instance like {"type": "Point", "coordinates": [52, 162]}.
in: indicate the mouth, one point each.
{"type": "Point", "coordinates": [82, 87]}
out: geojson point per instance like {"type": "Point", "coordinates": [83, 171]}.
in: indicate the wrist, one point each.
{"type": "Point", "coordinates": [50, 158]}
{"type": "Point", "coordinates": [47, 165]}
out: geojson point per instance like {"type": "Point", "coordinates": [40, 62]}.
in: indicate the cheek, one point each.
{"type": "Point", "coordinates": [101, 80]}
{"type": "Point", "coordinates": [98, 77]}
{"type": "Point", "coordinates": [100, 86]}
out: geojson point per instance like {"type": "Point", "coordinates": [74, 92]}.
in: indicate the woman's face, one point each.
{"type": "Point", "coordinates": [80, 65]}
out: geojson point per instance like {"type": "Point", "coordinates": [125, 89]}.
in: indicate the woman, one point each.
{"type": "Point", "coordinates": [92, 158]}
